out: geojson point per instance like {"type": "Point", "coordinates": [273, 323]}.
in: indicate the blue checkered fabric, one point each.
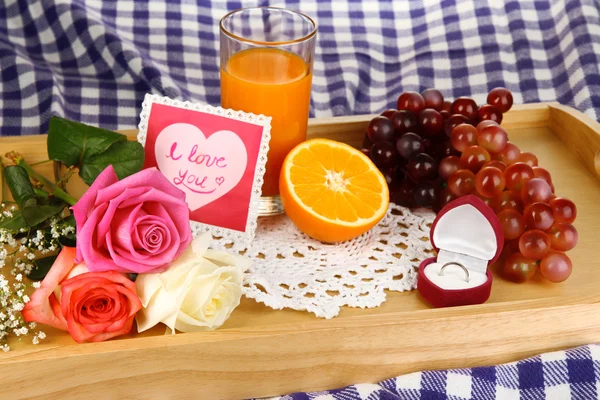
{"type": "Point", "coordinates": [93, 60]}
{"type": "Point", "coordinates": [563, 375]}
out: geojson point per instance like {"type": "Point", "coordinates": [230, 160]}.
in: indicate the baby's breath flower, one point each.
{"type": "Point", "coordinates": [20, 255]}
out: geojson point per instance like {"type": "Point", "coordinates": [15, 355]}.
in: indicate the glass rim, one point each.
{"type": "Point", "coordinates": [304, 38]}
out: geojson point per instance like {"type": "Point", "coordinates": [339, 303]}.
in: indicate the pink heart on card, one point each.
{"type": "Point", "coordinates": [205, 169]}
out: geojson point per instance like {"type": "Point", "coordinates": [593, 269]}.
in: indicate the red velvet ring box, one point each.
{"type": "Point", "coordinates": [468, 232]}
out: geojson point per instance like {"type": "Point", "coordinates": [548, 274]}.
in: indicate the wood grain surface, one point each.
{"type": "Point", "coordinates": [262, 352]}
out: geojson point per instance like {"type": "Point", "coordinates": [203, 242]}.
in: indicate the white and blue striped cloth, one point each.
{"type": "Point", "coordinates": [563, 375]}
{"type": "Point", "coordinates": [94, 60]}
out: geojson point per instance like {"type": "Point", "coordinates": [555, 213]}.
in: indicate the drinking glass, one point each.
{"type": "Point", "coordinates": [266, 68]}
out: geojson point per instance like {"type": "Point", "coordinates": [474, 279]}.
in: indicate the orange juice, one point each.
{"type": "Point", "coordinates": [275, 83]}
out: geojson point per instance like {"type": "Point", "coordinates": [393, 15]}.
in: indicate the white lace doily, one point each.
{"type": "Point", "coordinates": [290, 270]}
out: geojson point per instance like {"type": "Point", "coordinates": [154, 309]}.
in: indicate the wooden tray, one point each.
{"type": "Point", "coordinates": [261, 352]}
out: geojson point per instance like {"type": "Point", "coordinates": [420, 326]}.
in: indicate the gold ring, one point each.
{"type": "Point", "coordinates": [458, 265]}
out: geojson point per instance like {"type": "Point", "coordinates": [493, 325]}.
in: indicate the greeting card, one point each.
{"type": "Point", "coordinates": [215, 156]}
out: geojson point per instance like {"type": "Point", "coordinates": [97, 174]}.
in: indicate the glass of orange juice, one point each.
{"type": "Point", "coordinates": [266, 68]}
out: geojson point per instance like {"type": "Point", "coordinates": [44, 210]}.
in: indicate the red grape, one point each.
{"type": "Point", "coordinates": [463, 136]}
{"type": "Point", "coordinates": [489, 182]}
{"type": "Point", "coordinates": [512, 245]}
{"type": "Point", "coordinates": [528, 158]}
{"type": "Point", "coordinates": [428, 145]}
{"type": "Point", "coordinates": [534, 244]}
{"type": "Point", "coordinates": [404, 194]}
{"type": "Point", "coordinates": [366, 152]}
{"type": "Point", "coordinates": [380, 129]}
{"type": "Point", "coordinates": [404, 121]}
{"type": "Point", "coordinates": [538, 216]}
{"type": "Point", "coordinates": [556, 267]}
{"type": "Point", "coordinates": [535, 190]}
{"type": "Point", "coordinates": [409, 144]}
{"type": "Point", "coordinates": [493, 138]}
{"type": "Point", "coordinates": [445, 114]}
{"type": "Point", "coordinates": [564, 210]}
{"type": "Point", "coordinates": [388, 113]}
{"type": "Point", "coordinates": [509, 155]}
{"type": "Point", "coordinates": [431, 121]}
{"type": "Point", "coordinates": [425, 194]}
{"type": "Point", "coordinates": [447, 105]}
{"type": "Point", "coordinates": [453, 122]}
{"type": "Point", "coordinates": [383, 154]}
{"type": "Point", "coordinates": [501, 98]}
{"type": "Point", "coordinates": [496, 164]}
{"type": "Point", "coordinates": [465, 106]}
{"type": "Point", "coordinates": [513, 223]}
{"type": "Point", "coordinates": [541, 173]}
{"type": "Point", "coordinates": [474, 157]}
{"type": "Point", "coordinates": [462, 182]}
{"type": "Point", "coordinates": [518, 268]}
{"type": "Point", "coordinates": [411, 101]}
{"type": "Point", "coordinates": [448, 166]}
{"type": "Point", "coordinates": [487, 200]}
{"type": "Point", "coordinates": [444, 197]}
{"type": "Point", "coordinates": [489, 113]}
{"type": "Point", "coordinates": [563, 236]}
{"type": "Point", "coordinates": [443, 149]}
{"type": "Point", "coordinates": [422, 166]}
{"type": "Point", "coordinates": [391, 178]}
{"type": "Point", "coordinates": [485, 124]}
{"type": "Point", "coordinates": [516, 175]}
{"type": "Point", "coordinates": [433, 99]}
{"type": "Point", "coordinates": [508, 200]}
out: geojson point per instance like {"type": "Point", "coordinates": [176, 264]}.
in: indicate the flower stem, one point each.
{"type": "Point", "coordinates": [40, 162]}
{"type": "Point", "coordinates": [54, 189]}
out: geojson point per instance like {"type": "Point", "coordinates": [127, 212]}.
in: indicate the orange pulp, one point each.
{"type": "Point", "coordinates": [275, 83]}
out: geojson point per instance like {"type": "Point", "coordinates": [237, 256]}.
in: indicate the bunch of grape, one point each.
{"type": "Point", "coordinates": [537, 225]}
{"type": "Point", "coordinates": [432, 151]}
{"type": "Point", "coordinates": [408, 144]}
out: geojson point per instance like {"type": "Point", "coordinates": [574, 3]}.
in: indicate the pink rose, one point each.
{"type": "Point", "coordinates": [139, 224]}
{"type": "Point", "coordinates": [92, 306]}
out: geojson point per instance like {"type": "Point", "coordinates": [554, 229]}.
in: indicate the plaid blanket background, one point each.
{"type": "Point", "coordinates": [563, 375]}
{"type": "Point", "coordinates": [93, 61]}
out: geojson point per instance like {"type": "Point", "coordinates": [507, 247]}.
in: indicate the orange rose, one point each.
{"type": "Point", "coordinates": [92, 306]}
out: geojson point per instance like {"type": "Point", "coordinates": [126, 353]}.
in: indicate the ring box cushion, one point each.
{"type": "Point", "coordinates": [468, 232]}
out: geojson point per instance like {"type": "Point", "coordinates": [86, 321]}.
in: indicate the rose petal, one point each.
{"type": "Point", "coordinates": [178, 210]}
{"type": "Point", "coordinates": [122, 226]}
{"type": "Point", "coordinates": [144, 227]}
{"type": "Point", "coordinates": [85, 204]}
{"type": "Point", "coordinates": [76, 291]}
{"type": "Point", "coordinates": [97, 259]}
{"type": "Point", "coordinates": [108, 335]}
{"type": "Point", "coordinates": [43, 306]}
{"type": "Point", "coordinates": [151, 178]}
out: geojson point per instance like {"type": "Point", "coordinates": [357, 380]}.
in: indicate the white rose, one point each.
{"type": "Point", "coordinates": [197, 292]}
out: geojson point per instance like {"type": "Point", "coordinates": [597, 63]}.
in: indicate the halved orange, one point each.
{"type": "Point", "coordinates": [331, 191]}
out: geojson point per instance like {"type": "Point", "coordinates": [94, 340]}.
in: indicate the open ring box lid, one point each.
{"type": "Point", "coordinates": [468, 232]}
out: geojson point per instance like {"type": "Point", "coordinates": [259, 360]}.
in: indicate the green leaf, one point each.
{"type": "Point", "coordinates": [74, 143]}
{"type": "Point", "coordinates": [42, 266]}
{"type": "Point", "coordinates": [21, 188]}
{"type": "Point", "coordinates": [15, 223]}
{"type": "Point", "coordinates": [37, 214]}
{"type": "Point", "coordinates": [127, 158]}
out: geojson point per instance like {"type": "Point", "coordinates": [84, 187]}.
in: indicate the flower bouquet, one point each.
{"type": "Point", "coordinates": [132, 257]}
